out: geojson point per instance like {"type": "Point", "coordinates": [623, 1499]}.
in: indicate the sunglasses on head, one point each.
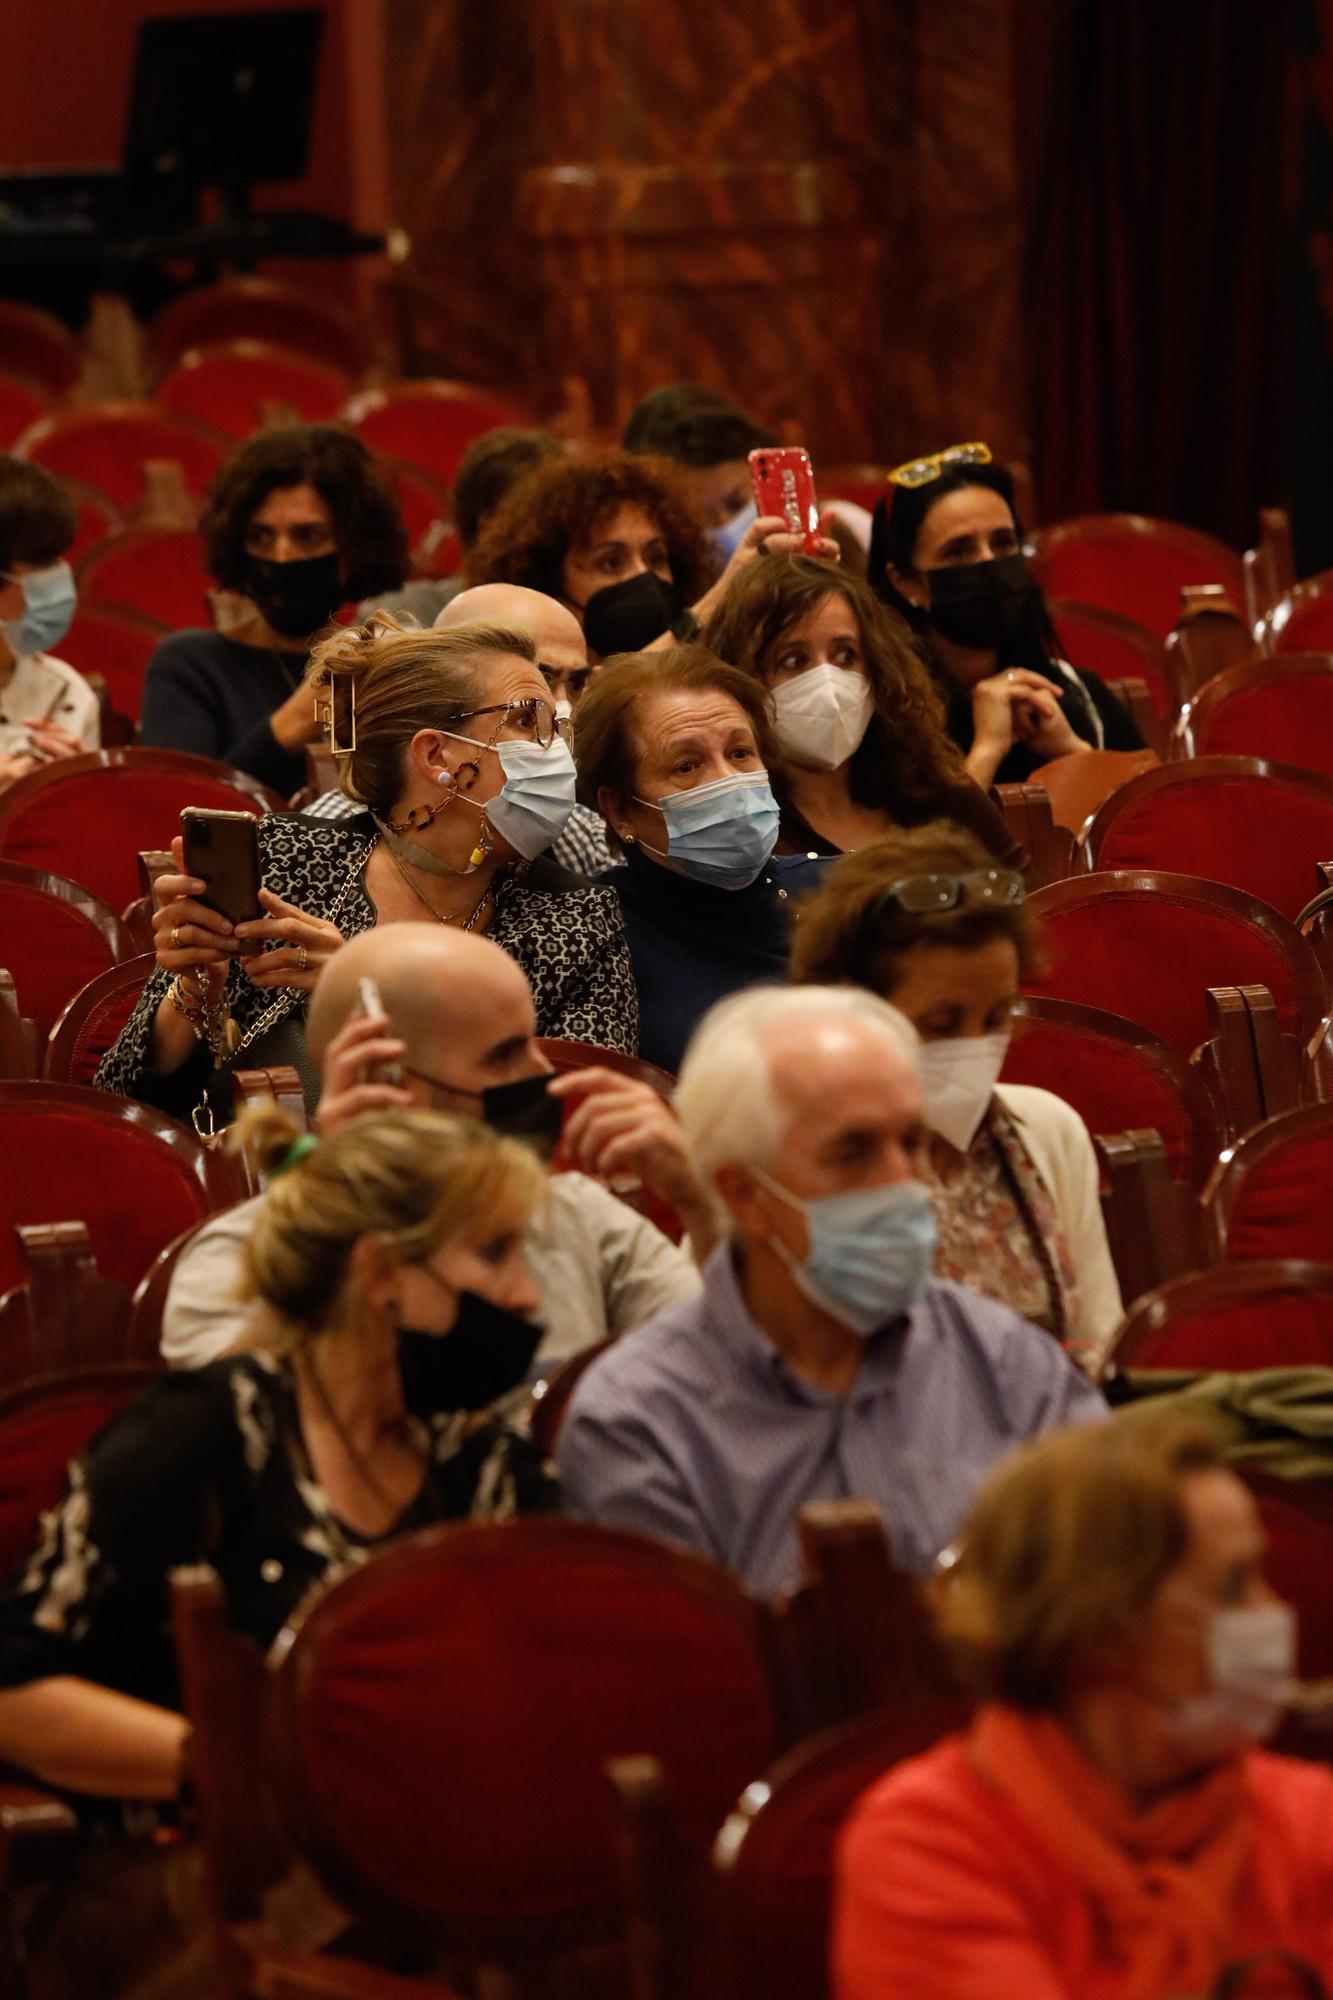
{"type": "Point", "coordinates": [927, 895]}
{"type": "Point", "coordinates": [920, 471]}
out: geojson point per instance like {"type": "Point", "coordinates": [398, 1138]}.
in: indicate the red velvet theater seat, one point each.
{"type": "Point", "coordinates": [429, 423]}
{"type": "Point", "coordinates": [239, 385]}
{"type": "Point", "coordinates": [134, 1177]}
{"type": "Point", "coordinates": [43, 1425]}
{"type": "Point", "coordinates": [1147, 945]}
{"type": "Point", "coordinates": [1119, 1078]}
{"type": "Point", "coordinates": [1272, 1195]}
{"type": "Point", "coordinates": [159, 572]}
{"type": "Point", "coordinates": [1260, 827]}
{"type": "Point", "coordinates": [1278, 709]}
{"type": "Point", "coordinates": [428, 513]}
{"type": "Point", "coordinates": [89, 817]}
{"type": "Point", "coordinates": [1297, 1518]}
{"type": "Point", "coordinates": [261, 309]}
{"type": "Point", "coordinates": [1272, 1314]}
{"type": "Point", "coordinates": [39, 347]}
{"type": "Point", "coordinates": [95, 1015]}
{"type": "Point", "coordinates": [54, 937]}
{"type": "Point", "coordinates": [496, 1669]}
{"type": "Point", "coordinates": [1118, 649]}
{"type": "Point", "coordinates": [117, 645]}
{"type": "Point", "coordinates": [107, 445]}
{"type": "Point", "coordinates": [21, 404]}
{"type": "Point", "coordinates": [1302, 620]}
{"type": "Point", "coordinates": [1132, 565]}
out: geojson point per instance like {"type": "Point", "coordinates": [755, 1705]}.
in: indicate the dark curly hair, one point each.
{"type": "Point", "coordinates": [905, 756]}
{"type": "Point", "coordinates": [367, 526]}
{"type": "Point", "coordinates": [561, 506]}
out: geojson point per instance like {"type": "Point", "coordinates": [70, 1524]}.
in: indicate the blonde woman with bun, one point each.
{"type": "Point", "coordinates": [394, 1302]}
{"type": "Point", "coordinates": [464, 783]}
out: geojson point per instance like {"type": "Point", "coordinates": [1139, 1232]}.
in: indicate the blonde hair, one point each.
{"type": "Point", "coordinates": [404, 679]}
{"type": "Point", "coordinates": [1069, 1540]}
{"type": "Point", "coordinates": [413, 1179]}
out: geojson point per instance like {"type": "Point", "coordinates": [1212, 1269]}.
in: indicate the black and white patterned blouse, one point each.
{"type": "Point", "coordinates": [210, 1465]}
{"type": "Point", "coordinates": [568, 936]}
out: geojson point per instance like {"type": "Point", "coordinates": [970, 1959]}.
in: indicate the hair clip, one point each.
{"type": "Point", "coordinates": [342, 713]}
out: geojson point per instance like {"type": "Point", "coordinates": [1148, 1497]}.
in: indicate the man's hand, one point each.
{"type": "Point", "coordinates": [361, 1044]}
{"type": "Point", "coordinates": [621, 1128]}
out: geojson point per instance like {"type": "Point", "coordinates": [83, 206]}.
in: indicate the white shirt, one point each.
{"type": "Point", "coordinates": [599, 1267]}
{"type": "Point", "coordinates": [44, 689]}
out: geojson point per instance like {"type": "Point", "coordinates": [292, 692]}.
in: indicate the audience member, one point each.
{"type": "Point", "coordinates": [859, 726]}
{"type": "Point", "coordinates": [947, 553]}
{"type": "Point", "coordinates": [562, 658]}
{"type": "Point", "coordinates": [1106, 1827]}
{"type": "Point", "coordinates": [47, 711]}
{"type": "Point", "coordinates": [820, 1361]}
{"type": "Point", "coordinates": [487, 470]}
{"type": "Point", "coordinates": [710, 438]}
{"type": "Point", "coordinates": [465, 784]}
{"type": "Point", "coordinates": [388, 1266]}
{"type": "Point", "coordinates": [617, 538]}
{"type": "Point", "coordinates": [925, 919]}
{"type": "Point", "coordinates": [673, 749]}
{"type": "Point", "coordinates": [299, 522]}
{"type": "Point", "coordinates": [459, 1024]}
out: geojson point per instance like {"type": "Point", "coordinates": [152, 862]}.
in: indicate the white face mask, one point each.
{"type": "Point", "coordinates": [1252, 1670]}
{"type": "Point", "coordinates": [822, 715]}
{"type": "Point", "coordinates": [958, 1080]}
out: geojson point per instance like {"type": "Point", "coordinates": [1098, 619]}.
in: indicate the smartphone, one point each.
{"type": "Point", "coordinates": [222, 849]}
{"type": "Point", "coordinates": [784, 483]}
{"type": "Point", "coordinates": [385, 1072]}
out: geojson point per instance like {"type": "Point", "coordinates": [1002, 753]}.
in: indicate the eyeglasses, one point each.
{"type": "Point", "coordinates": [925, 895]}
{"type": "Point", "coordinates": [534, 719]}
{"type": "Point", "coordinates": [920, 471]}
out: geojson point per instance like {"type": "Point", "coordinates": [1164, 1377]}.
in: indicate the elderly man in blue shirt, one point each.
{"type": "Point", "coordinates": [821, 1361]}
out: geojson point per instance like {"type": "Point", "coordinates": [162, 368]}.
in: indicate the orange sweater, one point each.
{"type": "Point", "coordinates": [947, 1890]}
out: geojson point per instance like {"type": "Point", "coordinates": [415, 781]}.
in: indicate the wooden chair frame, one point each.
{"type": "Point", "coordinates": [1211, 698]}
{"type": "Point", "coordinates": [62, 1042]}
{"type": "Point", "coordinates": [1225, 1184]}
{"type": "Point", "coordinates": [1200, 1291]}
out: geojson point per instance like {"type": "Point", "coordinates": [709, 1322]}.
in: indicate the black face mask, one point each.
{"type": "Point", "coordinates": [486, 1353]}
{"type": "Point", "coordinates": [984, 605]}
{"type": "Point", "coordinates": [627, 616]}
{"type": "Point", "coordinates": [523, 1110]}
{"type": "Point", "coordinates": [297, 598]}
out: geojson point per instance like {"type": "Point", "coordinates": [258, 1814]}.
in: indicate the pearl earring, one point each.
{"type": "Point", "coordinates": [444, 778]}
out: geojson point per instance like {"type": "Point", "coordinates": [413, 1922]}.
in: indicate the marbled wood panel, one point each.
{"type": "Point", "coordinates": [810, 202]}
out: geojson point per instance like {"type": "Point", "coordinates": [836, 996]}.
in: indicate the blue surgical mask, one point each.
{"type": "Point", "coordinates": [537, 797]}
{"type": "Point", "coordinates": [728, 535]}
{"type": "Point", "coordinates": [721, 833]}
{"type": "Point", "coordinates": [49, 598]}
{"type": "Point", "coordinates": [871, 1251]}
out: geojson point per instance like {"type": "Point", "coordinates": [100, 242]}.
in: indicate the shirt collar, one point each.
{"type": "Point", "coordinates": [757, 1357]}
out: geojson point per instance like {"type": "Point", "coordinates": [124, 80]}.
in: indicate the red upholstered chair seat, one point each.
{"type": "Point", "coordinates": [231, 384]}
{"type": "Point", "coordinates": [21, 404]}
{"type": "Point", "coordinates": [1269, 1314]}
{"type": "Point", "coordinates": [262, 309]}
{"type": "Point", "coordinates": [429, 423]}
{"type": "Point", "coordinates": [1260, 827]}
{"type": "Point", "coordinates": [118, 645]}
{"type": "Point", "coordinates": [39, 347]}
{"type": "Point", "coordinates": [43, 1425]}
{"type": "Point", "coordinates": [428, 513]}
{"type": "Point", "coordinates": [1278, 709]}
{"type": "Point", "coordinates": [93, 1019]}
{"type": "Point", "coordinates": [1302, 620]}
{"type": "Point", "coordinates": [54, 938]}
{"type": "Point", "coordinates": [134, 1177]}
{"type": "Point", "coordinates": [107, 445]}
{"type": "Point", "coordinates": [441, 1721]}
{"type": "Point", "coordinates": [88, 817]}
{"type": "Point", "coordinates": [1297, 1518]}
{"type": "Point", "coordinates": [1147, 945]}
{"type": "Point", "coordinates": [158, 572]}
{"type": "Point", "coordinates": [1273, 1197]}
{"type": "Point", "coordinates": [1118, 649]}
{"type": "Point", "coordinates": [1133, 565]}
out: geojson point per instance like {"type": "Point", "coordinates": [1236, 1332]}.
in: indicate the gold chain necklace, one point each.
{"type": "Point", "coordinates": [486, 896]}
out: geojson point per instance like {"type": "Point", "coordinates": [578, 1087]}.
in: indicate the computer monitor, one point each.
{"type": "Point", "coordinates": [219, 101]}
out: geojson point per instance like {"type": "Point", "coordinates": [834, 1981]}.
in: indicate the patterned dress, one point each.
{"type": "Point", "coordinates": [568, 936]}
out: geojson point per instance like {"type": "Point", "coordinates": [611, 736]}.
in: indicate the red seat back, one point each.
{"type": "Point", "coordinates": [21, 404]}
{"type": "Point", "coordinates": [499, 1668]}
{"type": "Point", "coordinates": [43, 1425]}
{"type": "Point", "coordinates": [97, 519]}
{"type": "Point", "coordinates": [428, 513]}
{"type": "Point", "coordinates": [134, 1177]}
{"type": "Point", "coordinates": [1302, 620]}
{"type": "Point", "coordinates": [92, 1020]}
{"type": "Point", "coordinates": [1272, 1314]}
{"type": "Point", "coordinates": [38, 346]}
{"type": "Point", "coordinates": [1151, 943]}
{"type": "Point", "coordinates": [429, 423]}
{"type": "Point", "coordinates": [1256, 826]}
{"type": "Point", "coordinates": [117, 645]}
{"type": "Point", "coordinates": [774, 1857]}
{"type": "Point", "coordinates": [1297, 1517]}
{"type": "Point", "coordinates": [1119, 1077]}
{"type": "Point", "coordinates": [261, 309]}
{"type": "Point", "coordinates": [107, 445]}
{"type": "Point", "coordinates": [1270, 1197]}
{"type": "Point", "coordinates": [88, 817]}
{"type": "Point", "coordinates": [1132, 565]}
{"type": "Point", "coordinates": [54, 938]}
{"type": "Point", "coordinates": [1118, 649]}
{"type": "Point", "coordinates": [235, 385]}
{"type": "Point", "coordinates": [1278, 709]}
{"type": "Point", "coordinates": [161, 573]}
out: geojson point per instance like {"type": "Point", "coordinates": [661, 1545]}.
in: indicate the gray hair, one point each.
{"type": "Point", "coordinates": [725, 1100]}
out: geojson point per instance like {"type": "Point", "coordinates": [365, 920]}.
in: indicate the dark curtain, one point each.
{"type": "Point", "coordinates": [1153, 139]}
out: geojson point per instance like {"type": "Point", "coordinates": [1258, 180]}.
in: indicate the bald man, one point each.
{"type": "Point", "coordinates": [458, 1019]}
{"type": "Point", "coordinates": [562, 656]}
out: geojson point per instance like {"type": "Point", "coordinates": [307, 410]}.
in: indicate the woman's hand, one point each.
{"type": "Point", "coordinates": [15, 766]}
{"type": "Point", "coordinates": [297, 722]}
{"type": "Point", "coordinates": [305, 945]}
{"type": "Point", "coordinates": [769, 535]}
{"type": "Point", "coordinates": [620, 1128]}
{"type": "Point", "coordinates": [189, 937]}
{"type": "Point", "coordinates": [362, 1044]}
{"type": "Point", "coordinates": [1008, 708]}
{"type": "Point", "coordinates": [52, 741]}
{"type": "Point", "coordinates": [1050, 735]}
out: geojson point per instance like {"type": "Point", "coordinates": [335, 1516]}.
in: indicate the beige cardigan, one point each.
{"type": "Point", "coordinates": [1062, 1153]}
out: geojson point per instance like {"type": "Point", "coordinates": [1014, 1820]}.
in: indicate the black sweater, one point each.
{"type": "Point", "coordinates": [209, 694]}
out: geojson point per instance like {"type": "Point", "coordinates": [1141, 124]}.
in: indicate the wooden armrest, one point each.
{"type": "Point", "coordinates": [18, 1036]}
{"type": "Point", "coordinates": [30, 1817]}
{"type": "Point", "coordinates": [278, 1974]}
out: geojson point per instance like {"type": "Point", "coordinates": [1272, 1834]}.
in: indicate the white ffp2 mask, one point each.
{"type": "Point", "coordinates": [958, 1079]}
{"type": "Point", "coordinates": [823, 715]}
